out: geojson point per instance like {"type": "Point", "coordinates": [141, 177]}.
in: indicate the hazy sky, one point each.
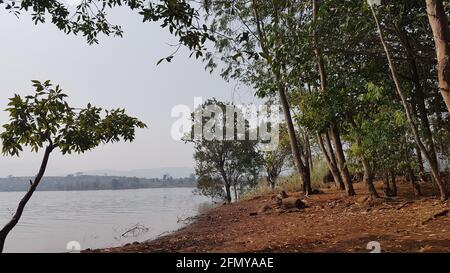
{"type": "Point", "coordinates": [120, 72]}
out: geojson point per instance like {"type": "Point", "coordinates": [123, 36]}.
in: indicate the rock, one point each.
{"type": "Point", "coordinates": [292, 203]}
{"type": "Point", "coordinates": [306, 203]}
{"type": "Point", "coordinates": [279, 198]}
{"type": "Point", "coordinates": [281, 195]}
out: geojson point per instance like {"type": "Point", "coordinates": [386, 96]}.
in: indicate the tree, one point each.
{"type": "Point", "coordinates": [339, 156]}
{"type": "Point", "coordinates": [410, 40]}
{"type": "Point", "coordinates": [251, 55]}
{"type": "Point", "coordinates": [235, 162]}
{"type": "Point", "coordinates": [90, 18]}
{"type": "Point", "coordinates": [434, 165]}
{"type": "Point", "coordinates": [275, 160]}
{"type": "Point", "coordinates": [376, 132]}
{"type": "Point", "coordinates": [441, 31]}
{"type": "Point", "coordinates": [352, 59]}
{"type": "Point", "coordinates": [46, 121]}
{"type": "Point", "coordinates": [211, 187]}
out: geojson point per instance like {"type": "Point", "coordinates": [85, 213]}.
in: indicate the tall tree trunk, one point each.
{"type": "Point", "coordinates": [368, 178]}
{"type": "Point", "coordinates": [16, 217]}
{"type": "Point", "coordinates": [318, 50]}
{"type": "Point", "coordinates": [296, 150]}
{"type": "Point", "coordinates": [420, 163]}
{"type": "Point", "coordinates": [334, 132]}
{"type": "Point", "coordinates": [303, 170]}
{"type": "Point", "coordinates": [412, 179]}
{"type": "Point", "coordinates": [441, 32]}
{"type": "Point", "coordinates": [331, 165]}
{"type": "Point", "coordinates": [386, 183]}
{"type": "Point", "coordinates": [306, 155]}
{"type": "Point", "coordinates": [235, 192]}
{"type": "Point", "coordinates": [332, 154]}
{"type": "Point", "coordinates": [271, 182]}
{"type": "Point", "coordinates": [308, 152]}
{"type": "Point", "coordinates": [419, 98]}
{"type": "Point", "coordinates": [227, 183]}
{"type": "Point", "coordinates": [410, 176]}
{"type": "Point", "coordinates": [333, 159]}
{"type": "Point", "coordinates": [341, 163]}
{"type": "Point", "coordinates": [394, 183]}
{"type": "Point", "coordinates": [417, 149]}
{"type": "Point", "coordinates": [228, 192]}
{"type": "Point", "coordinates": [434, 167]}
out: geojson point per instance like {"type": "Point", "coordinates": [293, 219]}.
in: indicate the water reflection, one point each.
{"type": "Point", "coordinates": [96, 218]}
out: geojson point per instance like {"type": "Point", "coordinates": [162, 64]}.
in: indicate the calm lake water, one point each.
{"type": "Point", "coordinates": [96, 218]}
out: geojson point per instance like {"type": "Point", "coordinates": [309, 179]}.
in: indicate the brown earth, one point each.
{"type": "Point", "coordinates": [330, 223]}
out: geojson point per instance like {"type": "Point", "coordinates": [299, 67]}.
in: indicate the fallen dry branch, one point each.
{"type": "Point", "coordinates": [135, 231]}
{"type": "Point", "coordinates": [404, 205]}
{"type": "Point", "coordinates": [436, 215]}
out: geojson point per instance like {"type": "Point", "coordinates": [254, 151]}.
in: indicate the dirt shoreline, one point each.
{"type": "Point", "coordinates": [330, 223]}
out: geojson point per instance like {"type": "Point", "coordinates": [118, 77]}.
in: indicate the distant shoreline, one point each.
{"type": "Point", "coordinates": [169, 187]}
{"type": "Point", "coordinates": [95, 183]}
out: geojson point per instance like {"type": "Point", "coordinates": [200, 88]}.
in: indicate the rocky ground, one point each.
{"type": "Point", "coordinates": [330, 222]}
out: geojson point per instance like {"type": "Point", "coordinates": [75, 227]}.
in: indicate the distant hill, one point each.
{"type": "Point", "coordinates": [94, 182]}
{"type": "Point", "coordinates": [175, 172]}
